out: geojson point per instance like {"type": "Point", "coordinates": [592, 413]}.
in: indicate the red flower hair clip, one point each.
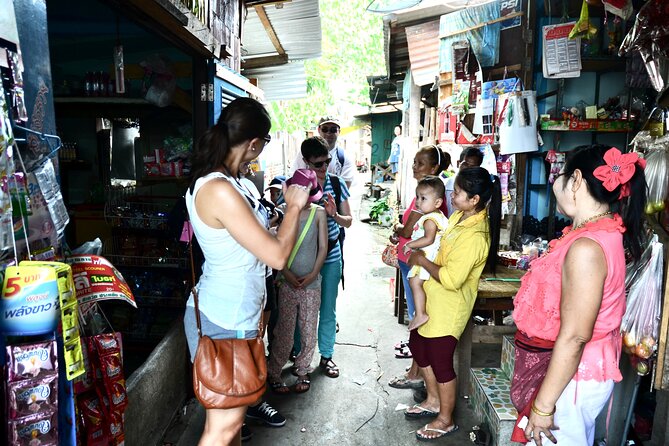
{"type": "Point", "coordinates": [618, 170]}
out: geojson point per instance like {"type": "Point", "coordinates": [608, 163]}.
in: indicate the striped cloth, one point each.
{"type": "Point", "coordinates": [333, 227]}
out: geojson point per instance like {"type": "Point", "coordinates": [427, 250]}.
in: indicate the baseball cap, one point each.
{"type": "Point", "coordinates": [329, 120]}
{"type": "Point", "coordinates": [307, 178]}
{"type": "Point", "coordinates": [277, 182]}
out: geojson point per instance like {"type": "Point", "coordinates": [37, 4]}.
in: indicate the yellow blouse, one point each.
{"type": "Point", "coordinates": [462, 256]}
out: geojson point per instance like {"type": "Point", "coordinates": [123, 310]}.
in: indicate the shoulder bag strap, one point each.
{"type": "Point", "coordinates": [194, 291]}
{"type": "Point", "coordinates": [302, 236]}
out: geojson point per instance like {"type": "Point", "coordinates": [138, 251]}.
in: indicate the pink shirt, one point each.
{"type": "Point", "coordinates": [537, 304]}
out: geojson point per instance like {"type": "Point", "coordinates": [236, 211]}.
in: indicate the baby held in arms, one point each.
{"type": "Point", "coordinates": [427, 233]}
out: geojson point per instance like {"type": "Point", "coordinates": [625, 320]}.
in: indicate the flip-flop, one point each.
{"type": "Point", "coordinates": [404, 353]}
{"type": "Point", "coordinates": [424, 413]}
{"type": "Point", "coordinates": [400, 345]}
{"type": "Point", "coordinates": [442, 433]}
{"type": "Point", "coordinates": [402, 382]}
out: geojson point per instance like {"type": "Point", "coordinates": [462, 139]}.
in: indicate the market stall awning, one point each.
{"type": "Point", "coordinates": [276, 40]}
{"type": "Point", "coordinates": [281, 82]}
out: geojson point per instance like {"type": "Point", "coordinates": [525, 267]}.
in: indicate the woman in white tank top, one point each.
{"type": "Point", "coordinates": [236, 245]}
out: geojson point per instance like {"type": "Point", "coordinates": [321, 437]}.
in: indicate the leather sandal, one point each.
{"type": "Point", "coordinates": [329, 367]}
{"type": "Point", "coordinates": [279, 388]}
{"type": "Point", "coordinates": [303, 384]}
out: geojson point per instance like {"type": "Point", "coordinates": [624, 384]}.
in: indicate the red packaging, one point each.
{"type": "Point", "coordinates": [91, 411]}
{"type": "Point", "coordinates": [152, 169]}
{"type": "Point", "coordinates": [118, 396]}
{"type": "Point", "coordinates": [106, 343]}
{"type": "Point", "coordinates": [97, 437]}
{"type": "Point", "coordinates": [160, 155]}
{"type": "Point", "coordinates": [115, 425]}
{"type": "Point", "coordinates": [33, 395]}
{"type": "Point", "coordinates": [112, 368]}
{"type": "Point", "coordinates": [167, 169]}
{"type": "Point", "coordinates": [38, 429]}
{"type": "Point", "coordinates": [27, 361]}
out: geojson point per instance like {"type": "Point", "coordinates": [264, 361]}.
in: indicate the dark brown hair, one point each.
{"type": "Point", "coordinates": [242, 120]}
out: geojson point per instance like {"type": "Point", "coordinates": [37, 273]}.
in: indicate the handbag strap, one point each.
{"type": "Point", "coordinates": [195, 297]}
{"type": "Point", "coordinates": [194, 291]}
{"type": "Point", "coordinates": [302, 236]}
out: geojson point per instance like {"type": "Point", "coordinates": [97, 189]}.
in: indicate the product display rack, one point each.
{"type": "Point", "coordinates": [154, 265]}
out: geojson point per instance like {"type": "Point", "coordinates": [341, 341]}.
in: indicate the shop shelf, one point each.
{"type": "Point", "coordinates": [587, 125]}
{"type": "Point", "coordinates": [147, 262]}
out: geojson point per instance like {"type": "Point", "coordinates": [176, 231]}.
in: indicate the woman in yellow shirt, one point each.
{"type": "Point", "coordinates": [468, 245]}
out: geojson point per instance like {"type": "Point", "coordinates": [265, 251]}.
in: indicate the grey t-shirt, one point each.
{"type": "Point", "coordinates": [306, 255]}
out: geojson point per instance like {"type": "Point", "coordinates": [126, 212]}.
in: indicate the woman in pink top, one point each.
{"type": "Point", "coordinates": [571, 302]}
{"type": "Point", "coordinates": [429, 160]}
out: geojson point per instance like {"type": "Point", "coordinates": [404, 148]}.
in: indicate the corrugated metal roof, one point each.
{"type": "Point", "coordinates": [297, 26]}
{"type": "Point", "coordinates": [281, 82]}
{"type": "Point", "coordinates": [423, 42]}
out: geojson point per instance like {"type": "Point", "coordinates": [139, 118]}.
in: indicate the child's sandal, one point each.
{"type": "Point", "coordinates": [303, 384]}
{"type": "Point", "coordinates": [279, 388]}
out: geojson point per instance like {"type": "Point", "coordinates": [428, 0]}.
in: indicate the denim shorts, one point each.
{"type": "Point", "coordinates": [209, 329]}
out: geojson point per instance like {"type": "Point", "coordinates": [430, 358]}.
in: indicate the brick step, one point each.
{"type": "Point", "coordinates": [508, 359]}
{"type": "Point", "coordinates": [491, 403]}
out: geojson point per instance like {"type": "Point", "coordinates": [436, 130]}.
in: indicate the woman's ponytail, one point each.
{"type": "Point", "coordinates": [477, 181]}
{"type": "Point", "coordinates": [495, 222]}
{"type": "Point", "coordinates": [632, 209]}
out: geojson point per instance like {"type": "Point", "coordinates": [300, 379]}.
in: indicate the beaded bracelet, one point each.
{"type": "Point", "coordinates": [540, 413]}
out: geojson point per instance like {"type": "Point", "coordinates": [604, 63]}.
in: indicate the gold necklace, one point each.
{"type": "Point", "coordinates": [579, 226]}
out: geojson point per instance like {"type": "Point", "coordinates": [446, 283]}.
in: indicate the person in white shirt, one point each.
{"type": "Point", "coordinates": [342, 165]}
{"type": "Point", "coordinates": [469, 157]}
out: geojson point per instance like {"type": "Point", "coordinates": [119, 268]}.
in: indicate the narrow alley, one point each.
{"type": "Point", "coordinates": [358, 408]}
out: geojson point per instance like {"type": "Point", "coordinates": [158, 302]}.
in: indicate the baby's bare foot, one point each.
{"type": "Point", "coordinates": [418, 320]}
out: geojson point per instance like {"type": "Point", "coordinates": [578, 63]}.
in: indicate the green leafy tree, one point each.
{"type": "Point", "coordinates": [352, 48]}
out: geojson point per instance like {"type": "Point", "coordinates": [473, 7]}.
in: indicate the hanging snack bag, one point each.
{"type": "Point", "coordinates": [38, 429]}
{"type": "Point", "coordinates": [30, 396]}
{"type": "Point", "coordinates": [29, 361]}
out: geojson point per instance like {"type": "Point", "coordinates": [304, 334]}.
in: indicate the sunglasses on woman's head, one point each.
{"type": "Point", "coordinates": [267, 138]}
{"type": "Point", "coordinates": [320, 164]}
{"type": "Point", "coordinates": [330, 129]}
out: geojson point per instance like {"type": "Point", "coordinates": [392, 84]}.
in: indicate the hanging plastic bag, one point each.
{"type": "Point", "coordinates": [657, 170]}
{"type": "Point", "coordinates": [640, 324]}
{"type": "Point", "coordinates": [517, 121]}
{"type": "Point", "coordinates": [583, 27]}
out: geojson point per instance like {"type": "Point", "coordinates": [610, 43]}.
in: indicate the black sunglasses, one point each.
{"type": "Point", "coordinates": [267, 139]}
{"type": "Point", "coordinates": [334, 129]}
{"type": "Point", "coordinates": [320, 164]}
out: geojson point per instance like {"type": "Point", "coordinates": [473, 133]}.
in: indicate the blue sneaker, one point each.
{"type": "Point", "coordinates": [246, 433]}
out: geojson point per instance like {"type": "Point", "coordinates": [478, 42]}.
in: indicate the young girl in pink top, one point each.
{"type": "Point", "coordinates": [571, 302]}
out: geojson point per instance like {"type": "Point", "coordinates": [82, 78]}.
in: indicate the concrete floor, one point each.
{"type": "Point", "coordinates": [358, 408]}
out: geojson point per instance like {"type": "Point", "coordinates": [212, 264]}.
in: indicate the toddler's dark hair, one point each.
{"type": "Point", "coordinates": [434, 183]}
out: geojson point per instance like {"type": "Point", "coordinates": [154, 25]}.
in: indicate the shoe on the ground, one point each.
{"type": "Point", "coordinates": [267, 414]}
{"type": "Point", "coordinates": [246, 433]}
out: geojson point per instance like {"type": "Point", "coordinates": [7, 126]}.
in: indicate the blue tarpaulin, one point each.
{"type": "Point", "coordinates": [484, 41]}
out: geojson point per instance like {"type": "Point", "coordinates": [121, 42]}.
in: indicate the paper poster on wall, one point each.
{"type": "Point", "coordinates": [561, 55]}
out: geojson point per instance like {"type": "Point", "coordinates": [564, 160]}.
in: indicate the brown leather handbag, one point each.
{"type": "Point", "coordinates": [227, 373]}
